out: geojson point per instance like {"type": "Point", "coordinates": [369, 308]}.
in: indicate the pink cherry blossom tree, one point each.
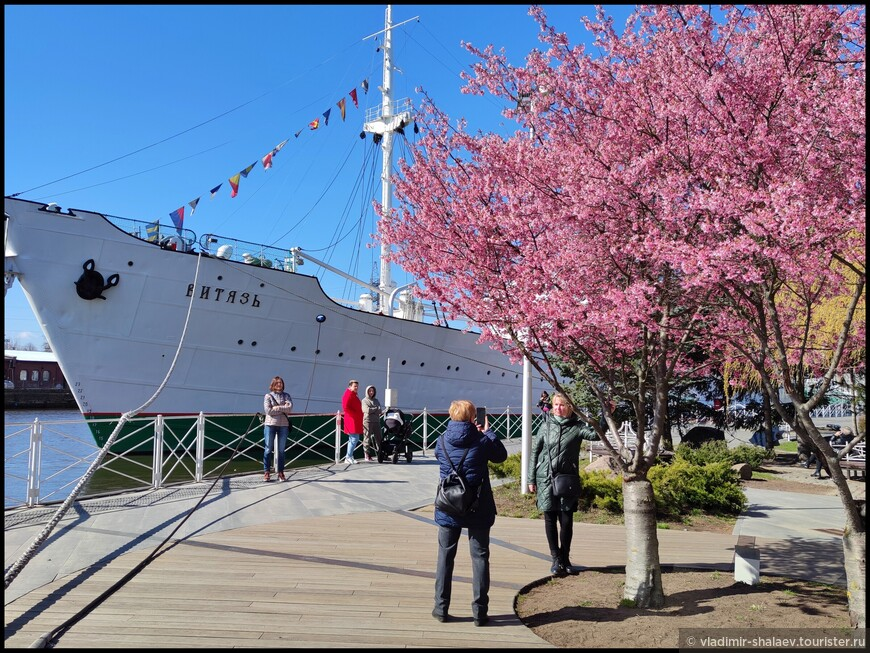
{"type": "Point", "coordinates": [692, 190]}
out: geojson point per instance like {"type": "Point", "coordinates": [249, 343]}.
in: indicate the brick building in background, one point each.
{"type": "Point", "coordinates": [32, 370]}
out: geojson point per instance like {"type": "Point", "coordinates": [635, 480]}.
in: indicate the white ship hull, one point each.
{"type": "Point", "coordinates": [247, 324]}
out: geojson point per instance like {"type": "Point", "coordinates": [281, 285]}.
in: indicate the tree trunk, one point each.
{"type": "Point", "coordinates": [855, 552]}
{"type": "Point", "coordinates": [643, 574]}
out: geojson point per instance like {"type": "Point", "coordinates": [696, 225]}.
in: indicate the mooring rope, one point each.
{"type": "Point", "coordinates": [22, 561]}
{"type": "Point", "coordinates": [48, 639]}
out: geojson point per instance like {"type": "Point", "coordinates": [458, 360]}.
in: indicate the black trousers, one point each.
{"type": "Point", "coordinates": [555, 521]}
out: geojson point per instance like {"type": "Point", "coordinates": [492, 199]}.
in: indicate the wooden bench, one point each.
{"type": "Point", "coordinates": [853, 462]}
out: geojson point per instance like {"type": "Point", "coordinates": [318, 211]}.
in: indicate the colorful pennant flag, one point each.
{"type": "Point", "coordinates": [267, 161]}
{"type": "Point", "coordinates": [314, 124]}
{"type": "Point", "coordinates": [193, 206]}
{"type": "Point", "coordinates": [214, 190]}
{"type": "Point", "coordinates": [153, 231]}
{"type": "Point", "coordinates": [247, 170]}
{"type": "Point", "coordinates": [234, 182]}
{"type": "Point", "coordinates": [365, 86]}
{"type": "Point", "coordinates": [326, 117]}
{"type": "Point", "coordinates": [279, 146]}
{"type": "Point", "coordinates": [353, 97]}
{"type": "Point", "coordinates": [342, 106]}
{"type": "Point", "coordinates": [297, 133]}
{"type": "Point", "coordinates": [178, 218]}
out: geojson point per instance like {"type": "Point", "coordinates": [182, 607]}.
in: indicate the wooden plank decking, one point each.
{"type": "Point", "coordinates": [356, 580]}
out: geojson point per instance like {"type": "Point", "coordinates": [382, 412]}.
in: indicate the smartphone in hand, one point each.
{"type": "Point", "coordinates": [481, 416]}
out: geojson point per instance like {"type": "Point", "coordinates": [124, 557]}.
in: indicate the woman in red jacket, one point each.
{"type": "Point", "coordinates": [351, 406]}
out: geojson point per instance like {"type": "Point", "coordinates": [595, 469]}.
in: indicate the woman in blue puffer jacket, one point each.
{"type": "Point", "coordinates": [483, 445]}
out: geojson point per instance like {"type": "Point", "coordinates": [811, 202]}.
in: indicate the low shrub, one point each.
{"type": "Point", "coordinates": [747, 453]}
{"type": "Point", "coordinates": [511, 467]}
{"type": "Point", "coordinates": [599, 490]}
{"type": "Point", "coordinates": [682, 487]}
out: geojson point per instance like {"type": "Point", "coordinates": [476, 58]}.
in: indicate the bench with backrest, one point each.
{"type": "Point", "coordinates": [597, 448]}
{"type": "Point", "coordinates": [853, 462]}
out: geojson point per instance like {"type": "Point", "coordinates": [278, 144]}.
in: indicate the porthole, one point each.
{"type": "Point", "coordinates": [241, 341]}
{"type": "Point", "coordinates": [362, 358]}
{"type": "Point", "coordinates": [374, 358]}
{"type": "Point", "coordinates": [254, 344]}
{"type": "Point", "coordinates": [130, 263]}
{"type": "Point", "coordinates": [457, 368]}
{"type": "Point", "coordinates": [293, 348]}
{"type": "Point", "coordinates": [220, 277]}
{"type": "Point", "coordinates": [316, 351]}
{"type": "Point", "coordinates": [340, 354]}
{"type": "Point", "coordinates": [502, 373]}
{"type": "Point", "coordinates": [404, 362]}
{"type": "Point", "coordinates": [262, 285]}
{"type": "Point", "coordinates": [488, 372]}
{"type": "Point", "coordinates": [448, 368]}
{"type": "Point", "coordinates": [422, 364]}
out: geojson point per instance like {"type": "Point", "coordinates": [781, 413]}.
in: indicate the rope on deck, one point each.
{"type": "Point", "coordinates": [38, 541]}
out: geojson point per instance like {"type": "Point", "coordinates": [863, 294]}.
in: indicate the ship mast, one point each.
{"type": "Point", "coordinates": [383, 122]}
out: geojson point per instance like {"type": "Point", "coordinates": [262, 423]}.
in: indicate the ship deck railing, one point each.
{"type": "Point", "coordinates": [46, 459]}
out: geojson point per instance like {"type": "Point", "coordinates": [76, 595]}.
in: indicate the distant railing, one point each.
{"type": "Point", "coordinates": [834, 410]}
{"type": "Point", "coordinates": [44, 459]}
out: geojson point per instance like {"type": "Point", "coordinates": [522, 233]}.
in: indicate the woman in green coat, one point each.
{"type": "Point", "coordinates": [556, 447]}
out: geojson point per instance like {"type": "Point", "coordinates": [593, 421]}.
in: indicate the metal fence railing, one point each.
{"type": "Point", "coordinates": [44, 459]}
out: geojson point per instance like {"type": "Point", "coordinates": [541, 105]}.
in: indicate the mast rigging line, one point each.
{"type": "Point", "coordinates": [37, 542]}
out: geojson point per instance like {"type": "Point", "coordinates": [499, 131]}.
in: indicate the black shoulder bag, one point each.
{"type": "Point", "coordinates": [454, 495]}
{"type": "Point", "coordinates": [566, 486]}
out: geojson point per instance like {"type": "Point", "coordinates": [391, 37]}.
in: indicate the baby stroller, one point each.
{"type": "Point", "coordinates": [396, 434]}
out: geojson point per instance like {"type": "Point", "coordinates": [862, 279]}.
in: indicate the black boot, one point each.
{"type": "Point", "coordinates": [557, 568]}
{"type": "Point", "coordinates": [567, 566]}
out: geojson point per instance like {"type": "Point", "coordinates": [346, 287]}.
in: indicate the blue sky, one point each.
{"type": "Point", "coordinates": [137, 110]}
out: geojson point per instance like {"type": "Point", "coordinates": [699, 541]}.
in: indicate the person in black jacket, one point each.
{"type": "Point", "coordinates": [483, 445]}
{"type": "Point", "coordinates": [556, 449]}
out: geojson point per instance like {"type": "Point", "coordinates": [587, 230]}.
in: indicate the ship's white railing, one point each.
{"type": "Point", "coordinates": [45, 459]}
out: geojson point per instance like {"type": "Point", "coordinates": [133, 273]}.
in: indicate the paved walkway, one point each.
{"type": "Point", "coordinates": [338, 556]}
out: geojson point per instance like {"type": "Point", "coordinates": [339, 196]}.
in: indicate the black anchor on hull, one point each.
{"type": "Point", "coordinates": [90, 285]}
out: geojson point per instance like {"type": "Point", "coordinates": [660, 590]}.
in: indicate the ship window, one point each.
{"type": "Point", "coordinates": [316, 351]}
{"type": "Point", "coordinates": [220, 277]}
{"type": "Point", "coordinates": [422, 364]}
{"type": "Point", "coordinates": [502, 373]}
{"type": "Point", "coordinates": [404, 362]}
{"type": "Point", "coordinates": [23, 375]}
{"type": "Point", "coordinates": [293, 348]}
{"type": "Point", "coordinates": [254, 344]}
{"type": "Point", "coordinates": [448, 368]}
{"type": "Point", "coordinates": [457, 368]}
{"type": "Point", "coordinates": [487, 372]}
{"type": "Point", "coordinates": [34, 376]}
{"type": "Point", "coordinates": [45, 375]}
{"type": "Point", "coordinates": [241, 341]}
{"type": "Point", "coordinates": [363, 357]}
{"type": "Point", "coordinates": [340, 354]}
{"type": "Point", "coordinates": [374, 357]}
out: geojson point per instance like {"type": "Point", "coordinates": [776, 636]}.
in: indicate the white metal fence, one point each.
{"type": "Point", "coordinates": [44, 460]}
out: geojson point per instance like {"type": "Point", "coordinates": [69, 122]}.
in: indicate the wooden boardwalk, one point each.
{"type": "Point", "coordinates": [363, 580]}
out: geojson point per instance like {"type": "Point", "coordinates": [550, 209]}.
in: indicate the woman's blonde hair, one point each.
{"type": "Point", "coordinates": [275, 382]}
{"type": "Point", "coordinates": [565, 400]}
{"type": "Point", "coordinates": [462, 410]}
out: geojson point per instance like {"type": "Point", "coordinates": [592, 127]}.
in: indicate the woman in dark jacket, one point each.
{"type": "Point", "coordinates": [483, 446]}
{"type": "Point", "coordinates": [557, 446]}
